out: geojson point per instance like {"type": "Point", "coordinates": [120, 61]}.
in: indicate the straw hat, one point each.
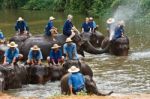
{"type": "Point", "coordinates": [12, 44]}
{"type": "Point", "coordinates": [51, 18]}
{"type": "Point", "coordinates": [20, 19]}
{"type": "Point", "coordinates": [73, 69]}
{"type": "Point", "coordinates": [55, 46]}
{"type": "Point", "coordinates": [110, 21]}
{"type": "Point", "coordinates": [68, 40]}
{"type": "Point", "coordinates": [35, 48]}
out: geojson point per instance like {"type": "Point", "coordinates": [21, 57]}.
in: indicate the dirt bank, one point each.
{"type": "Point", "coordinates": [138, 96]}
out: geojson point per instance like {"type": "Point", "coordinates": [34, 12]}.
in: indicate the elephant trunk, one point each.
{"type": "Point", "coordinates": [88, 47]}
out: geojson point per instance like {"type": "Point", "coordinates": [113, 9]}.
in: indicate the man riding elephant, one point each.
{"type": "Point", "coordinates": [50, 30]}
{"type": "Point", "coordinates": [70, 50]}
{"type": "Point", "coordinates": [86, 26]}
{"type": "Point", "coordinates": [55, 56]}
{"type": "Point", "coordinates": [119, 30]}
{"type": "Point", "coordinates": [69, 29]}
{"type": "Point", "coordinates": [21, 26]}
{"type": "Point", "coordinates": [12, 55]}
{"type": "Point", "coordinates": [35, 56]}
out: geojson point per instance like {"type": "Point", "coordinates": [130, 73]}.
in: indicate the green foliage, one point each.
{"type": "Point", "coordinates": [88, 7]}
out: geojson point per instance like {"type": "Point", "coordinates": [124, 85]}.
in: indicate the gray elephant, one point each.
{"type": "Point", "coordinates": [90, 86]}
{"type": "Point", "coordinates": [45, 44]}
{"type": "Point", "coordinates": [118, 47]}
{"type": "Point", "coordinates": [42, 73]}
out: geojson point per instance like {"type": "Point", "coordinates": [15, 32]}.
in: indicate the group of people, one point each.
{"type": "Point", "coordinates": [35, 56]}
{"type": "Point", "coordinates": [76, 80]}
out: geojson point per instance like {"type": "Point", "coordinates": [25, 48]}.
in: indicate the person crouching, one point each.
{"type": "Point", "coordinates": [34, 56]}
{"type": "Point", "coordinates": [76, 80]}
{"type": "Point", "coordinates": [12, 55]}
{"type": "Point", "coordinates": [55, 57]}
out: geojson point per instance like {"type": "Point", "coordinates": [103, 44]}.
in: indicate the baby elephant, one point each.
{"type": "Point", "coordinates": [90, 86]}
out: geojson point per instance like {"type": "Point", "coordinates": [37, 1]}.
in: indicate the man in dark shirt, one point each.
{"type": "Point", "coordinates": [21, 26]}
{"type": "Point", "coordinates": [69, 29]}
{"type": "Point", "coordinates": [86, 26]}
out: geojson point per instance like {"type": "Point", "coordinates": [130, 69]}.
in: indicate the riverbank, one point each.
{"type": "Point", "coordinates": [115, 96]}
{"type": "Point", "coordinates": [136, 96]}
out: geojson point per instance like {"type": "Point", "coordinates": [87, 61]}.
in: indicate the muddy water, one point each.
{"type": "Point", "coordinates": [121, 74]}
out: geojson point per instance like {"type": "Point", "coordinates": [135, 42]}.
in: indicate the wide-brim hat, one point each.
{"type": "Point", "coordinates": [12, 44]}
{"type": "Point", "coordinates": [73, 69]}
{"type": "Point", "coordinates": [35, 48]}
{"type": "Point", "coordinates": [20, 19]}
{"type": "Point", "coordinates": [51, 18]}
{"type": "Point", "coordinates": [55, 46]}
{"type": "Point", "coordinates": [110, 20]}
{"type": "Point", "coordinates": [68, 40]}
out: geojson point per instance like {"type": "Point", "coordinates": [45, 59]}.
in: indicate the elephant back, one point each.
{"type": "Point", "coordinates": [43, 43]}
{"type": "Point", "coordinates": [84, 68]}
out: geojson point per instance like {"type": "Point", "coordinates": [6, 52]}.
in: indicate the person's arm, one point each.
{"type": "Point", "coordinates": [5, 56]}
{"type": "Point", "coordinates": [52, 56]}
{"type": "Point", "coordinates": [60, 56]}
{"type": "Point", "coordinates": [40, 57]}
{"type": "Point", "coordinates": [30, 57]}
{"type": "Point", "coordinates": [16, 55]}
{"type": "Point", "coordinates": [4, 60]}
{"type": "Point", "coordinates": [65, 52]}
{"type": "Point", "coordinates": [70, 85]}
{"type": "Point", "coordinates": [74, 51]}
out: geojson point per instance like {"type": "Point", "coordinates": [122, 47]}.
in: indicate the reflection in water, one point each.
{"type": "Point", "coordinates": [121, 74]}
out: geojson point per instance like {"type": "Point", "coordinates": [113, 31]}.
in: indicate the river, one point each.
{"type": "Point", "coordinates": [123, 75]}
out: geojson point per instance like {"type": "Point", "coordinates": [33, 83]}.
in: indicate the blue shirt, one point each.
{"type": "Point", "coordinates": [70, 50]}
{"type": "Point", "coordinates": [55, 55]}
{"type": "Point", "coordinates": [11, 54]}
{"type": "Point", "coordinates": [76, 80]}
{"type": "Point", "coordinates": [92, 24]}
{"type": "Point", "coordinates": [118, 32]}
{"type": "Point", "coordinates": [67, 26]}
{"type": "Point", "coordinates": [35, 55]}
{"type": "Point", "coordinates": [86, 27]}
{"type": "Point", "coordinates": [21, 25]}
{"type": "Point", "coordinates": [48, 28]}
{"type": "Point", "coordinates": [1, 35]}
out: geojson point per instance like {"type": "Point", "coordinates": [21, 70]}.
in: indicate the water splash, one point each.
{"type": "Point", "coordinates": [140, 55]}
{"type": "Point", "coordinates": [127, 10]}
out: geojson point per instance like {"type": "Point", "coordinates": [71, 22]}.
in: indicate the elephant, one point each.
{"type": "Point", "coordinates": [118, 47]}
{"type": "Point", "coordinates": [13, 77]}
{"type": "Point", "coordinates": [90, 86]}
{"type": "Point", "coordinates": [43, 73]}
{"type": "Point", "coordinates": [95, 38]}
{"type": "Point", "coordinates": [45, 44]}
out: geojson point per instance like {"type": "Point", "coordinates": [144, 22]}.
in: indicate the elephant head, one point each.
{"type": "Point", "coordinates": [84, 68]}
{"type": "Point", "coordinates": [91, 87]}
{"type": "Point", "coordinates": [83, 42]}
{"type": "Point", "coordinates": [38, 74]}
{"type": "Point", "coordinates": [119, 47]}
